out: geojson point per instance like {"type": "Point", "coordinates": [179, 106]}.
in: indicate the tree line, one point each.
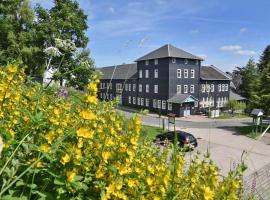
{"type": "Point", "coordinates": [43, 39]}
{"type": "Point", "coordinates": [253, 82]}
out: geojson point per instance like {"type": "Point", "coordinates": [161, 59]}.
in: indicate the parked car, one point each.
{"type": "Point", "coordinates": [184, 139]}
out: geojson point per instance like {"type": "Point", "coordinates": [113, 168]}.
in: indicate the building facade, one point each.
{"type": "Point", "coordinates": [167, 80]}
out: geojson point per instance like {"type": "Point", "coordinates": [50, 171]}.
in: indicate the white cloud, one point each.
{"type": "Point", "coordinates": [203, 56]}
{"type": "Point", "coordinates": [230, 48]}
{"type": "Point", "coordinates": [242, 30]}
{"type": "Point", "coordinates": [237, 49]}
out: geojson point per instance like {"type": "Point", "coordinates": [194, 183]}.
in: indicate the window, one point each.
{"type": "Point", "coordinates": [134, 100]}
{"type": "Point", "coordinates": [159, 104]}
{"type": "Point", "coordinates": [126, 87]}
{"type": "Point", "coordinates": [156, 89]}
{"type": "Point", "coordinates": [146, 73]}
{"type": "Point", "coordinates": [129, 99]}
{"type": "Point", "coordinates": [154, 103]}
{"type": "Point", "coordinates": [156, 73]}
{"type": "Point", "coordinates": [100, 85]}
{"type": "Point", "coordinates": [223, 87]}
{"type": "Point", "coordinates": [140, 73]}
{"type": "Point", "coordinates": [147, 88]}
{"type": "Point", "coordinates": [169, 106]}
{"type": "Point", "coordinates": [134, 87]}
{"type": "Point", "coordinates": [147, 102]}
{"type": "Point", "coordinates": [163, 105]}
{"type": "Point", "coordinates": [186, 61]}
{"type": "Point", "coordinates": [103, 85]}
{"type": "Point", "coordinates": [191, 88]}
{"type": "Point", "coordinates": [156, 61]}
{"type": "Point", "coordinates": [178, 73]}
{"type": "Point", "coordinates": [207, 87]}
{"type": "Point", "coordinates": [140, 87]}
{"type": "Point", "coordinates": [226, 87]}
{"type": "Point", "coordinates": [185, 73]}
{"type": "Point", "coordinates": [138, 101]}
{"type": "Point", "coordinates": [142, 101]}
{"type": "Point", "coordinates": [192, 73]}
{"type": "Point", "coordinates": [173, 60]}
{"type": "Point", "coordinates": [147, 62]}
{"type": "Point", "coordinates": [219, 87]}
{"type": "Point", "coordinates": [203, 88]}
{"type": "Point", "coordinates": [129, 87]}
{"type": "Point", "coordinates": [178, 89]}
{"type": "Point", "coordinates": [212, 88]}
{"type": "Point", "coordinates": [119, 87]}
{"type": "Point", "coordinates": [185, 88]}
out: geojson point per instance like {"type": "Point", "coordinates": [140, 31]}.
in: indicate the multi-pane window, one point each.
{"type": "Point", "coordinates": [134, 100]}
{"type": "Point", "coordinates": [185, 88]}
{"type": "Point", "coordinates": [178, 73]}
{"type": "Point", "coordinates": [178, 89]}
{"type": "Point", "coordinates": [140, 73]}
{"type": "Point", "coordinates": [212, 88]}
{"type": "Point", "coordinates": [207, 87]}
{"type": "Point", "coordinates": [203, 88]}
{"type": "Point", "coordinates": [226, 87]}
{"type": "Point", "coordinates": [100, 85]}
{"type": "Point", "coordinates": [191, 88]}
{"type": "Point", "coordinates": [163, 105]}
{"type": "Point", "coordinates": [147, 62]}
{"type": "Point", "coordinates": [219, 87]}
{"type": "Point", "coordinates": [156, 89]}
{"type": "Point", "coordinates": [159, 104]}
{"type": "Point", "coordinates": [223, 87]}
{"type": "Point", "coordinates": [129, 87]}
{"type": "Point", "coordinates": [185, 73]}
{"type": "Point", "coordinates": [119, 87]}
{"type": "Point", "coordinates": [138, 101]}
{"type": "Point", "coordinates": [142, 101]}
{"type": "Point", "coordinates": [169, 106]}
{"type": "Point", "coordinates": [140, 87]}
{"type": "Point", "coordinates": [146, 73]}
{"type": "Point", "coordinates": [154, 103]}
{"type": "Point", "coordinates": [173, 60]}
{"type": "Point", "coordinates": [192, 73]}
{"type": "Point", "coordinates": [147, 88]}
{"type": "Point", "coordinates": [156, 73]}
{"type": "Point", "coordinates": [146, 102]}
{"type": "Point", "coordinates": [129, 99]}
{"type": "Point", "coordinates": [156, 61]}
{"type": "Point", "coordinates": [134, 87]}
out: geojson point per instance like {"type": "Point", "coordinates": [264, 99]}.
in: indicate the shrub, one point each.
{"type": "Point", "coordinates": [57, 148]}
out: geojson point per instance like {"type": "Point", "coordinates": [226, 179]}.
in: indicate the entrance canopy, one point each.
{"type": "Point", "coordinates": [182, 98]}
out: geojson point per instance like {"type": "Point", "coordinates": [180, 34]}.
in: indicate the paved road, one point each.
{"type": "Point", "coordinates": [151, 120]}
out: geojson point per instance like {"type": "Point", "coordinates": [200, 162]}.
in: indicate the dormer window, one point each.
{"type": "Point", "coordinates": [156, 61]}
{"type": "Point", "coordinates": [173, 60]}
{"type": "Point", "coordinates": [146, 62]}
{"type": "Point", "coordinates": [186, 61]}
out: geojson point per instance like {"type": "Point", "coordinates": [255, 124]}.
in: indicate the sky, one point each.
{"type": "Point", "coordinates": [226, 33]}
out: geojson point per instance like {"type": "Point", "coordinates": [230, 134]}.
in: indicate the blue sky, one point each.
{"type": "Point", "coordinates": [225, 33]}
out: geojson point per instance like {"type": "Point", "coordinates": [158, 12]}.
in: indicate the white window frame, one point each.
{"type": "Point", "coordinates": [185, 89]}
{"type": "Point", "coordinates": [129, 99]}
{"type": "Point", "coordinates": [146, 62]}
{"type": "Point", "coordinates": [142, 101]}
{"type": "Point", "coordinates": [147, 88]}
{"type": "Point", "coordinates": [179, 74]}
{"type": "Point", "coordinates": [185, 73]}
{"type": "Point", "coordinates": [156, 73]}
{"type": "Point", "coordinates": [223, 87]}
{"type": "Point", "coordinates": [147, 102]}
{"type": "Point", "coordinates": [119, 87]}
{"type": "Point", "coordinates": [146, 73]}
{"type": "Point", "coordinates": [134, 100]}
{"type": "Point", "coordinates": [159, 104]}
{"type": "Point", "coordinates": [203, 88]}
{"type": "Point", "coordinates": [207, 88]}
{"type": "Point", "coordinates": [138, 101]}
{"type": "Point", "coordinates": [134, 87]}
{"type": "Point", "coordinates": [163, 105]}
{"type": "Point", "coordinates": [129, 87]}
{"type": "Point", "coordinates": [154, 103]}
{"type": "Point", "coordinates": [156, 61]}
{"type": "Point", "coordinates": [212, 88]}
{"type": "Point", "coordinates": [173, 60]}
{"type": "Point", "coordinates": [191, 89]}
{"type": "Point", "coordinates": [140, 73]}
{"type": "Point", "coordinates": [226, 87]}
{"type": "Point", "coordinates": [192, 73]}
{"type": "Point", "coordinates": [169, 106]}
{"type": "Point", "coordinates": [156, 89]}
{"type": "Point", "coordinates": [140, 87]}
{"type": "Point", "coordinates": [178, 89]}
{"type": "Point", "coordinates": [219, 87]}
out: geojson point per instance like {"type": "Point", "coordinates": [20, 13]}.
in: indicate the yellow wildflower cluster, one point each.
{"type": "Point", "coordinates": [84, 148]}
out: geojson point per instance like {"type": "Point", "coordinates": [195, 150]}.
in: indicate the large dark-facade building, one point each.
{"type": "Point", "coordinates": [166, 80]}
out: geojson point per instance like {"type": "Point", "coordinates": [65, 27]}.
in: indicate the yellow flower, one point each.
{"type": "Point", "coordinates": [88, 115]}
{"type": "Point", "coordinates": [39, 164]}
{"type": "Point", "coordinates": [45, 147]}
{"type": "Point", "coordinates": [70, 176]}
{"type": "Point", "coordinates": [92, 87]}
{"type": "Point", "coordinates": [65, 159]}
{"type": "Point", "coordinates": [149, 181]}
{"type": "Point", "coordinates": [12, 69]}
{"type": "Point", "coordinates": [80, 143]}
{"type": "Point", "coordinates": [106, 155]}
{"type": "Point", "coordinates": [85, 133]}
{"type": "Point", "coordinates": [208, 194]}
{"type": "Point", "coordinates": [50, 137]}
{"type": "Point", "coordinates": [91, 99]}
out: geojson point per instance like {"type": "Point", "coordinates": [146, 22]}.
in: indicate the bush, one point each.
{"type": "Point", "coordinates": [58, 148]}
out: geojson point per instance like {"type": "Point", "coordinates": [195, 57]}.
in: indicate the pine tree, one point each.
{"type": "Point", "coordinates": [265, 59]}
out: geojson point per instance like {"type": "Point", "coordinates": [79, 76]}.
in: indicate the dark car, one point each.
{"type": "Point", "coordinates": [184, 139]}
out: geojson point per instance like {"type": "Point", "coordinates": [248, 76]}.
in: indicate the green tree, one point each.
{"type": "Point", "coordinates": [232, 105]}
{"type": "Point", "coordinates": [265, 59]}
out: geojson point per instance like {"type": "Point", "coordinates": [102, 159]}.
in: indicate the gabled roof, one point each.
{"type": "Point", "coordinates": [182, 98]}
{"type": "Point", "coordinates": [166, 51]}
{"type": "Point", "coordinates": [213, 73]}
{"type": "Point", "coordinates": [125, 71]}
{"type": "Point", "coordinates": [236, 96]}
